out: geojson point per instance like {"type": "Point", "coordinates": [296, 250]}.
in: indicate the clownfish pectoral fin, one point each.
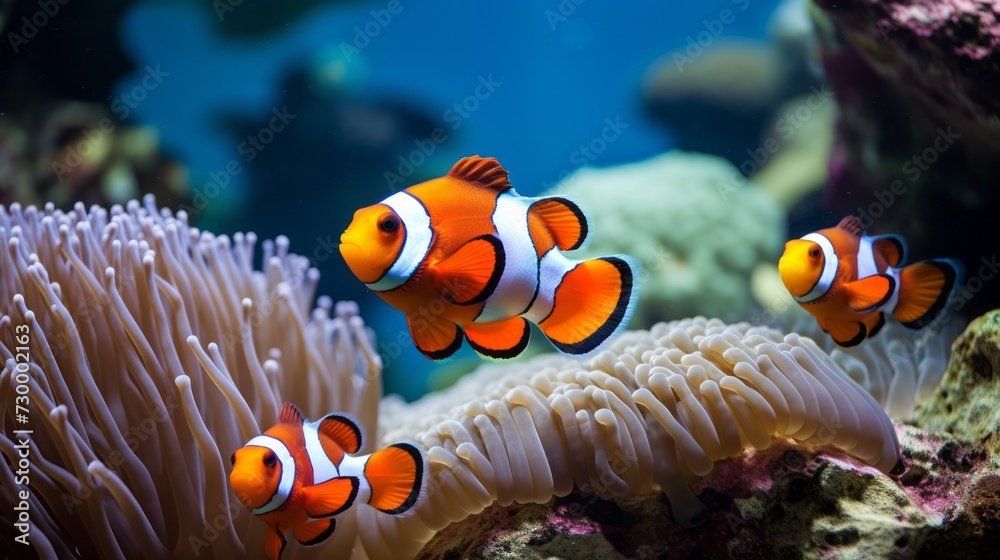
{"type": "Point", "coordinates": [594, 301]}
{"type": "Point", "coordinates": [314, 532]}
{"type": "Point", "coordinates": [499, 339]}
{"type": "Point", "coordinates": [342, 430]}
{"type": "Point", "coordinates": [847, 333]}
{"type": "Point", "coordinates": [869, 293]}
{"type": "Point", "coordinates": [924, 289]}
{"type": "Point", "coordinates": [274, 543]}
{"type": "Point", "coordinates": [485, 172]}
{"type": "Point", "coordinates": [891, 247]}
{"type": "Point", "coordinates": [331, 497]}
{"type": "Point", "coordinates": [396, 477]}
{"type": "Point", "coordinates": [564, 219]}
{"type": "Point", "coordinates": [290, 414]}
{"type": "Point", "coordinates": [472, 272]}
{"type": "Point", "coordinates": [435, 337]}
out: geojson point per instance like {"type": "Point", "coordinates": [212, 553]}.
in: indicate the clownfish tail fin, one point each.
{"type": "Point", "coordinates": [594, 301]}
{"type": "Point", "coordinates": [396, 476]}
{"type": "Point", "coordinates": [924, 290]}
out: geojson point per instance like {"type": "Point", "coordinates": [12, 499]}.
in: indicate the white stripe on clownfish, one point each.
{"type": "Point", "coordinates": [867, 266]}
{"type": "Point", "coordinates": [830, 266]}
{"type": "Point", "coordinates": [354, 465]}
{"type": "Point", "coordinates": [416, 245]}
{"type": "Point", "coordinates": [519, 278]}
{"type": "Point", "coordinates": [322, 467]}
{"type": "Point", "coordinates": [287, 479]}
{"type": "Point", "coordinates": [551, 270]}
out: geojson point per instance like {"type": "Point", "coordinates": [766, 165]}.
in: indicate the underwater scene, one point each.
{"type": "Point", "coordinates": [565, 279]}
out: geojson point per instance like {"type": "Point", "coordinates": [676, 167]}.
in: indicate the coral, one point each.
{"type": "Point", "coordinates": [965, 401]}
{"type": "Point", "coordinates": [793, 502]}
{"type": "Point", "coordinates": [74, 151]}
{"type": "Point", "coordinates": [783, 502]}
{"type": "Point", "coordinates": [694, 224]}
{"type": "Point", "coordinates": [657, 410]}
{"type": "Point", "coordinates": [104, 318]}
{"type": "Point", "coordinates": [918, 131]}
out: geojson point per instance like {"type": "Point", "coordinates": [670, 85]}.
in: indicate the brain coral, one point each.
{"type": "Point", "coordinates": [692, 221]}
{"type": "Point", "coordinates": [654, 411]}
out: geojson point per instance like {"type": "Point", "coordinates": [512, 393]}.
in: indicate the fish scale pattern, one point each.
{"type": "Point", "coordinates": [655, 411]}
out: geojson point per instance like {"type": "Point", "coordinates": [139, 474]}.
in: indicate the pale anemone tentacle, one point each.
{"type": "Point", "coordinates": [899, 367]}
{"type": "Point", "coordinates": [653, 412]}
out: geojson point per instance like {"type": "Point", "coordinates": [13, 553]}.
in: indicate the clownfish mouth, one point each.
{"type": "Point", "coordinates": [247, 486]}
{"type": "Point", "coordinates": [353, 242]}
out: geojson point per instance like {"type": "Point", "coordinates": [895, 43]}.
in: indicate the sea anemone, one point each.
{"type": "Point", "coordinates": [656, 410]}
{"type": "Point", "coordinates": [132, 421]}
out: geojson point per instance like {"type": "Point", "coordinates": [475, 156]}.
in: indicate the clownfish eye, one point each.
{"type": "Point", "coordinates": [814, 252]}
{"type": "Point", "coordinates": [388, 222]}
{"type": "Point", "coordinates": [233, 459]}
{"type": "Point", "coordinates": [270, 460]}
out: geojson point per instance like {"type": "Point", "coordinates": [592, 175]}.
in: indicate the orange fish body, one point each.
{"type": "Point", "coordinates": [301, 475]}
{"type": "Point", "coordinates": [848, 281]}
{"type": "Point", "coordinates": [465, 255]}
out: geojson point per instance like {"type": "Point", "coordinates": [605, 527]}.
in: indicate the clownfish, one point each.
{"type": "Point", "coordinates": [465, 254]}
{"type": "Point", "coordinates": [848, 281]}
{"type": "Point", "coordinates": [301, 475]}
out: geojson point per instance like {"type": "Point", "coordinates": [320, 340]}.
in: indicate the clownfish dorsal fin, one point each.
{"type": "Point", "coordinates": [343, 431]}
{"type": "Point", "coordinates": [852, 225]}
{"type": "Point", "coordinates": [485, 172]}
{"type": "Point", "coordinates": [290, 414]}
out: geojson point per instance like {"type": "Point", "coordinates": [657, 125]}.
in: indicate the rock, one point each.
{"type": "Point", "coordinates": [918, 131]}
{"type": "Point", "coordinates": [965, 403]}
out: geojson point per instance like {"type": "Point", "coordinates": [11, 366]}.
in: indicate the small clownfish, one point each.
{"type": "Point", "coordinates": [300, 475]}
{"type": "Point", "coordinates": [464, 253]}
{"type": "Point", "coordinates": [848, 281]}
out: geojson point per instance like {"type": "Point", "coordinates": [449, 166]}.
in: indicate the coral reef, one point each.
{"type": "Point", "coordinates": [656, 410]}
{"type": "Point", "coordinates": [790, 501]}
{"type": "Point", "coordinates": [72, 151]}
{"type": "Point", "coordinates": [104, 318]}
{"type": "Point", "coordinates": [694, 224]}
{"type": "Point", "coordinates": [918, 128]}
{"type": "Point", "coordinates": [783, 502]}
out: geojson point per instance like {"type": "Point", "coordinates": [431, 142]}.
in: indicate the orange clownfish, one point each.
{"type": "Point", "coordinates": [464, 253]}
{"type": "Point", "coordinates": [848, 281]}
{"type": "Point", "coordinates": [301, 475]}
